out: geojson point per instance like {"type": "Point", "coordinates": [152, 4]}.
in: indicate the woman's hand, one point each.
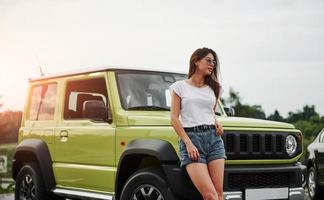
{"type": "Point", "coordinates": [192, 151]}
{"type": "Point", "coordinates": [219, 128]}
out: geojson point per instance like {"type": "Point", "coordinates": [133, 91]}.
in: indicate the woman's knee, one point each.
{"type": "Point", "coordinates": [210, 195]}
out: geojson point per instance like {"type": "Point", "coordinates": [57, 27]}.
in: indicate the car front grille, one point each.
{"type": "Point", "coordinates": [255, 145]}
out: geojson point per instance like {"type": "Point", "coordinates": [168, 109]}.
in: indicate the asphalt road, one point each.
{"type": "Point", "coordinates": [11, 197]}
{"type": "Point", "coordinates": [6, 197]}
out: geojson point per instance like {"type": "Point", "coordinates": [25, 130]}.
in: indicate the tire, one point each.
{"type": "Point", "coordinates": [148, 183]}
{"type": "Point", "coordinates": [29, 184]}
{"type": "Point", "coordinates": [314, 190]}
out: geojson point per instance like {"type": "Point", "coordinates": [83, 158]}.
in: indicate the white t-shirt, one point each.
{"type": "Point", "coordinates": [196, 104]}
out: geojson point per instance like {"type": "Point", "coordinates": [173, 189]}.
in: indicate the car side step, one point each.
{"type": "Point", "coordinates": [81, 194]}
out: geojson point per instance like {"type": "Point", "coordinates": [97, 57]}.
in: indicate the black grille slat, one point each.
{"type": "Point", "coordinates": [262, 144]}
{"type": "Point", "coordinates": [229, 143]}
{"type": "Point", "coordinates": [256, 143]}
{"type": "Point", "coordinates": [274, 144]}
{"type": "Point", "coordinates": [279, 143]}
{"type": "Point", "coordinates": [250, 147]}
{"type": "Point", "coordinates": [236, 143]}
{"type": "Point", "coordinates": [244, 143]}
{"type": "Point", "coordinates": [268, 143]}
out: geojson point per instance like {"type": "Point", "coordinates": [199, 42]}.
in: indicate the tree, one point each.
{"type": "Point", "coordinates": [9, 126]}
{"type": "Point", "coordinates": [234, 98]}
{"type": "Point", "coordinates": [276, 116]}
{"type": "Point", "coordinates": [306, 114]}
{"type": "Point", "coordinates": [244, 110]}
{"type": "Point", "coordinates": [309, 112]}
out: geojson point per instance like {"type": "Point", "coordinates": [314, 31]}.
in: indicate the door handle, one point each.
{"type": "Point", "coordinates": [64, 134]}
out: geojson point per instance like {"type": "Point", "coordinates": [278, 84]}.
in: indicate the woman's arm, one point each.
{"type": "Point", "coordinates": [175, 111]}
{"type": "Point", "coordinates": [218, 125]}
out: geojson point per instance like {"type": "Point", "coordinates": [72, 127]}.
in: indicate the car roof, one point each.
{"type": "Point", "coordinates": [101, 69]}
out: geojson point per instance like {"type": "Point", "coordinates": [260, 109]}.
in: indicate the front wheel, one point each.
{"type": "Point", "coordinates": [314, 190]}
{"type": "Point", "coordinates": [145, 184]}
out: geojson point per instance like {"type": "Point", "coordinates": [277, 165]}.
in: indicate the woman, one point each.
{"type": "Point", "coordinates": [201, 146]}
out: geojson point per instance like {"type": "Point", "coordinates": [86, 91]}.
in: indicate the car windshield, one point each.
{"type": "Point", "coordinates": [147, 90]}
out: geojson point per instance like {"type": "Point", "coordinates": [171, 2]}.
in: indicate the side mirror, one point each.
{"type": "Point", "coordinates": [230, 111]}
{"type": "Point", "coordinates": [95, 110]}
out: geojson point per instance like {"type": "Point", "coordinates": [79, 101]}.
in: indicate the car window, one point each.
{"type": "Point", "coordinates": [80, 91]}
{"type": "Point", "coordinates": [42, 104]}
{"type": "Point", "coordinates": [143, 90]}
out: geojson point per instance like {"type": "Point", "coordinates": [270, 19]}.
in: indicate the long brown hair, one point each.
{"type": "Point", "coordinates": [212, 79]}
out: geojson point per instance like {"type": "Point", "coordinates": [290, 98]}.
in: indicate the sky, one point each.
{"type": "Point", "coordinates": [271, 51]}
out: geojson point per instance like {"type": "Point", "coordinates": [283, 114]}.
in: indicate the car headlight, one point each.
{"type": "Point", "coordinates": [291, 145]}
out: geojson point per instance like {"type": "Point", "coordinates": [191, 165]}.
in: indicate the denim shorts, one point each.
{"type": "Point", "coordinates": [209, 145]}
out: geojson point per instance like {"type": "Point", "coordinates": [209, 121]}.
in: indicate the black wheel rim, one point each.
{"type": "Point", "coordinates": [147, 192]}
{"type": "Point", "coordinates": [311, 184]}
{"type": "Point", "coordinates": [27, 189]}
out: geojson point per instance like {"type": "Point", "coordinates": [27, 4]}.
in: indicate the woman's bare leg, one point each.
{"type": "Point", "coordinates": [200, 177]}
{"type": "Point", "coordinates": [216, 171]}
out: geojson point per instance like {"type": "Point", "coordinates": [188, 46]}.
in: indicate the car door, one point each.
{"type": "Point", "coordinates": [84, 148]}
{"type": "Point", "coordinates": [319, 157]}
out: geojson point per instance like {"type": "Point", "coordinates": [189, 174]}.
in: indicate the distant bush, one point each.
{"type": "Point", "coordinates": [7, 150]}
{"type": "Point", "coordinates": [9, 125]}
{"type": "Point", "coordinates": [9, 189]}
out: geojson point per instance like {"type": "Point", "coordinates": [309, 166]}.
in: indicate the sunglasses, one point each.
{"type": "Point", "coordinates": [210, 61]}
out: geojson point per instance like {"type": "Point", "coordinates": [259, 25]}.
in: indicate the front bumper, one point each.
{"type": "Point", "coordinates": [239, 178]}
{"type": "Point", "coordinates": [293, 194]}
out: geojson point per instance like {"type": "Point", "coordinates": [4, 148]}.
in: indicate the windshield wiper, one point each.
{"type": "Point", "coordinates": [148, 108]}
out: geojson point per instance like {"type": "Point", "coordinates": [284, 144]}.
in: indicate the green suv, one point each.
{"type": "Point", "coordinates": [106, 134]}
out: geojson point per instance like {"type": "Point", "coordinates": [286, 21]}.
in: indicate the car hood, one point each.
{"type": "Point", "coordinates": [163, 119]}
